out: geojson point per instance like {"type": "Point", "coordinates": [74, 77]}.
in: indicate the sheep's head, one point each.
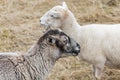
{"type": "Point", "coordinates": [54, 18]}
{"type": "Point", "coordinates": [59, 41]}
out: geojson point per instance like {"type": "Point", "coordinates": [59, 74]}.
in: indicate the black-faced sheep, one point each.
{"type": "Point", "coordinates": [39, 60]}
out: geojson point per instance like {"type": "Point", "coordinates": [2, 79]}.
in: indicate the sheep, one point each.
{"type": "Point", "coordinates": [39, 60]}
{"type": "Point", "coordinates": [99, 43]}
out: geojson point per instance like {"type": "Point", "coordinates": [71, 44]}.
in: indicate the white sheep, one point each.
{"type": "Point", "coordinates": [100, 44]}
{"type": "Point", "coordinates": [39, 60]}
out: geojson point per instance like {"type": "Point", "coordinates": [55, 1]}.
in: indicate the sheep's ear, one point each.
{"type": "Point", "coordinates": [64, 5]}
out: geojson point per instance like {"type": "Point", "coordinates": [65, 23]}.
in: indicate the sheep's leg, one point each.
{"type": "Point", "coordinates": [97, 73]}
{"type": "Point", "coordinates": [98, 69]}
{"type": "Point", "coordinates": [93, 70]}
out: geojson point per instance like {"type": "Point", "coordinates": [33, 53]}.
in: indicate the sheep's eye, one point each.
{"type": "Point", "coordinates": [54, 16]}
{"type": "Point", "coordinates": [51, 15]}
{"type": "Point", "coordinates": [65, 41]}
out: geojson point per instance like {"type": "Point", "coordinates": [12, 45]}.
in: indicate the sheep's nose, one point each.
{"type": "Point", "coordinates": [41, 23]}
{"type": "Point", "coordinates": [77, 50]}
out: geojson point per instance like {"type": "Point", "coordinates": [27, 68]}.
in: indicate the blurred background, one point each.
{"type": "Point", "coordinates": [20, 29]}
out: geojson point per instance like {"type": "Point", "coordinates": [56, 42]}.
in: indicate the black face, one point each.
{"type": "Point", "coordinates": [68, 45]}
{"type": "Point", "coordinates": [63, 42]}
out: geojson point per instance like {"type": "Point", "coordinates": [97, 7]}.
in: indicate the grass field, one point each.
{"type": "Point", "coordinates": [20, 28]}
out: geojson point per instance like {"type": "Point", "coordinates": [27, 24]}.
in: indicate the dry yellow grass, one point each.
{"type": "Point", "coordinates": [19, 29]}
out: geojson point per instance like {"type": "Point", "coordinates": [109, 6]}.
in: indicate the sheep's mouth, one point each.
{"type": "Point", "coordinates": [74, 54]}
{"type": "Point", "coordinates": [68, 54]}
{"type": "Point", "coordinates": [46, 27]}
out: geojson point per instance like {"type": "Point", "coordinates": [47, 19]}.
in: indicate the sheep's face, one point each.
{"type": "Point", "coordinates": [54, 18]}
{"type": "Point", "coordinates": [61, 43]}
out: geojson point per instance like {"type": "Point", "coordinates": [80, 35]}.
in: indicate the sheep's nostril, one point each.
{"type": "Point", "coordinates": [40, 20]}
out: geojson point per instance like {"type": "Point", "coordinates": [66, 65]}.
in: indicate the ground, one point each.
{"type": "Point", "coordinates": [20, 29]}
